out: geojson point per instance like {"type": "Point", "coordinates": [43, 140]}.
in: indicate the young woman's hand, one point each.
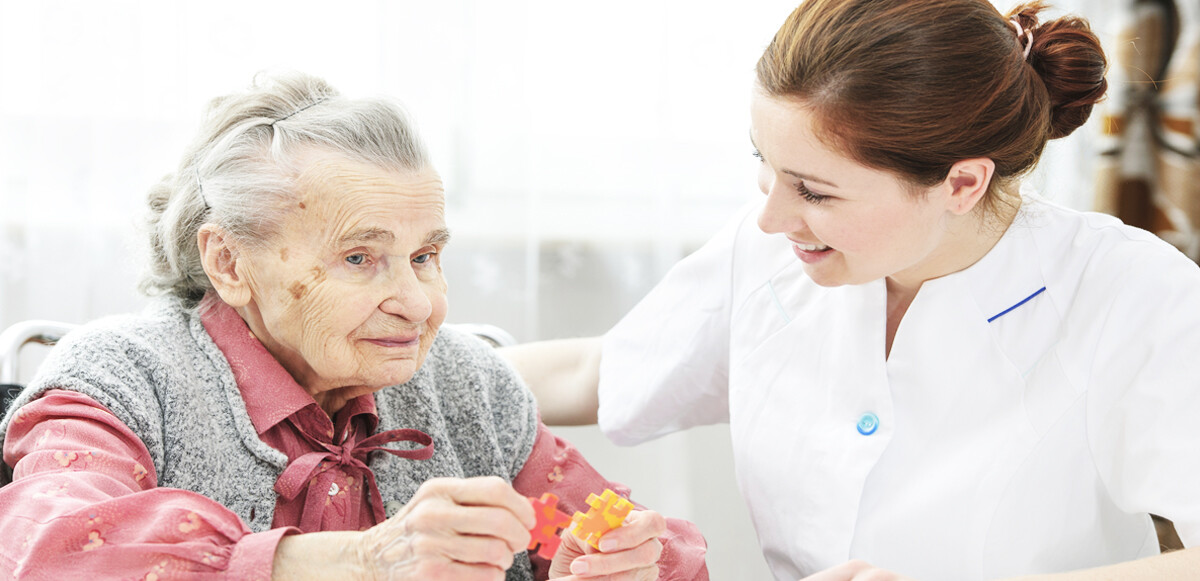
{"type": "Point", "coordinates": [855, 571]}
{"type": "Point", "coordinates": [628, 553]}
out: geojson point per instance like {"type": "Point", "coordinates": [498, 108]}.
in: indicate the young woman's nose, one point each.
{"type": "Point", "coordinates": [783, 212]}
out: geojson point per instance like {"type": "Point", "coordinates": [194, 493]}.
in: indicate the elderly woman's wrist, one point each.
{"type": "Point", "coordinates": [323, 555]}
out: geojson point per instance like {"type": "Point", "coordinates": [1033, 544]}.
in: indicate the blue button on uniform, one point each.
{"type": "Point", "coordinates": [868, 423]}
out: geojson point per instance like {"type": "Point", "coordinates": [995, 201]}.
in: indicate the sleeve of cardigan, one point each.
{"type": "Point", "coordinates": [557, 467]}
{"type": "Point", "coordinates": [84, 503]}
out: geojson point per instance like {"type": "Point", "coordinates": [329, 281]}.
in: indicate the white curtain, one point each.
{"type": "Point", "coordinates": [585, 148]}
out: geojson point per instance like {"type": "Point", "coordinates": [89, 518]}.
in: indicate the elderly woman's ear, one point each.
{"type": "Point", "coordinates": [219, 253]}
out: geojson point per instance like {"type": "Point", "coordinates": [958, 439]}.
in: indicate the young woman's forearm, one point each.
{"type": "Point", "coordinates": [1182, 564]}
{"type": "Point", "coordinates": [564, 375]}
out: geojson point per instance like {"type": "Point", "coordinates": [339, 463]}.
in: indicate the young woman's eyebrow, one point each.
{"type": "Point", "coordinates": [794, 174]}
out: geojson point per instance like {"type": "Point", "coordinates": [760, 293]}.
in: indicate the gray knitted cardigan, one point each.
{"type": "Point", "coordinates": [163, 376]}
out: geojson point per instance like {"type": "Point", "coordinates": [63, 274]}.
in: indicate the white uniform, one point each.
{"type": "Point", "coordinates": [1035, 406]}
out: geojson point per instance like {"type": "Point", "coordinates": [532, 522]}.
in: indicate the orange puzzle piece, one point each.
{"type": "Point", "coordinates": [549, 521]}
{"type": "Point", "coordinates": [608, 512]}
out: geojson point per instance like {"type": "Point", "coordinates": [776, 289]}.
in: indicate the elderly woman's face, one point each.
{"type": "Point", "coordinates": [351, 294]}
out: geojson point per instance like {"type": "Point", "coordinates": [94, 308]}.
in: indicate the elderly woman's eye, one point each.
{"type": "Point", "coordinates": [423, 258]}
{"type": "Point", "coordinates": [357, 259]}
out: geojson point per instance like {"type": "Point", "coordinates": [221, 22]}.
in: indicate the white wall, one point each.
{"type": "Point", "coordinates": [585, 147]}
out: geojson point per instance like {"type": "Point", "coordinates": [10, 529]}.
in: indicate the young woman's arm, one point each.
{"type": "Point", "coordinates": [563, 374]}
{"type": "Point", "coordinates": [1177, 565]}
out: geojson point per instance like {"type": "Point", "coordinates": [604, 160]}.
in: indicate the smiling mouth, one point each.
{"type": "Point", "coordinates": [811, 247]}
{"type": "Point", "coordinates": [811, 253]}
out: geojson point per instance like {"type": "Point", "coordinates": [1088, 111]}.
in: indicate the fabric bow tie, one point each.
{"type": "Point", "coordinates": [351, 457]}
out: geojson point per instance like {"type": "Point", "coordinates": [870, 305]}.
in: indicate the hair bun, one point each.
{"type": "Point", "coordinates": [1070, 61]}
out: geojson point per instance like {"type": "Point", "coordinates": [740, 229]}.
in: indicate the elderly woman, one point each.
{"type": "Point", "coordinates": [291, 408]}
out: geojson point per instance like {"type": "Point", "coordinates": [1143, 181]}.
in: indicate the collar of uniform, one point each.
{"type": "Point", "coordinates": [1010, 290]}
{"type": "Point", "coordinates": [1009, 277]}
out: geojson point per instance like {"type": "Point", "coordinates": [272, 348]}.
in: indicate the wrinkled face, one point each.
{"type": "Point", "coordinates": [848, 223]}
{"type": "Point", "coordinates": [350, 293]}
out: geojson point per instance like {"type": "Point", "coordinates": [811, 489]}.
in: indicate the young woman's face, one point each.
{"type": "Point", "coordinates": [848, 223]}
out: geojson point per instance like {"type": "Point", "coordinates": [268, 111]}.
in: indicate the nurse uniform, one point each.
{"type": "Point", "coordinates": [1034, 408]}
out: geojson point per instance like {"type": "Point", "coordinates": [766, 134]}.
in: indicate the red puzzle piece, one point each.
{"type": "Point", "coordinates": [549, 521]}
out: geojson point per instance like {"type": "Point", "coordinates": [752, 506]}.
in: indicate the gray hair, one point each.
{"type": "Point", "coordinates": [240, 172]}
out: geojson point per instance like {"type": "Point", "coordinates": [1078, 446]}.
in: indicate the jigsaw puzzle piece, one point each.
{"type": "Point", "coordinates": [549, 521]}
{"type": "Point", "coordinates": [608, 512]}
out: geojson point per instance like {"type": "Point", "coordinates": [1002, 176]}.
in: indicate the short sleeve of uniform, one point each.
{"type": "Point", "coordinates": [1144, 391]}
{"type": "Point", "coordinates": [665, 366]}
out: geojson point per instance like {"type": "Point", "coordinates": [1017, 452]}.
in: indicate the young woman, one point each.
{"type": "Point", "coordinates": [921, 368]}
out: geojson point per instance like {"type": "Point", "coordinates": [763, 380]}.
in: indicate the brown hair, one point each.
{"type": "Point", "coordinates": [912, 86]}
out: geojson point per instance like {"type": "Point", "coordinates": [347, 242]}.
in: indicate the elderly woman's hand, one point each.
{"type": "Point", "coordinates": [629, 553]}
{"type": "Point", "coordinates": [453, 529]}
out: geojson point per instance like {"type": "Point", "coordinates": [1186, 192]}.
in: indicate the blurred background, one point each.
{"type": "Point", "coordinates": [585, 148]}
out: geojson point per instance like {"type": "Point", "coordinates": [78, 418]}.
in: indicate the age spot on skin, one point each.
{"type": "Point", "coordinates": [318, 273]}
{"type": "Point", "coordinates": [283, 254]}
{"type": "Point", "coordinates": [302, 206]}
{"type": "Point", "coordinates": [298, 290]}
